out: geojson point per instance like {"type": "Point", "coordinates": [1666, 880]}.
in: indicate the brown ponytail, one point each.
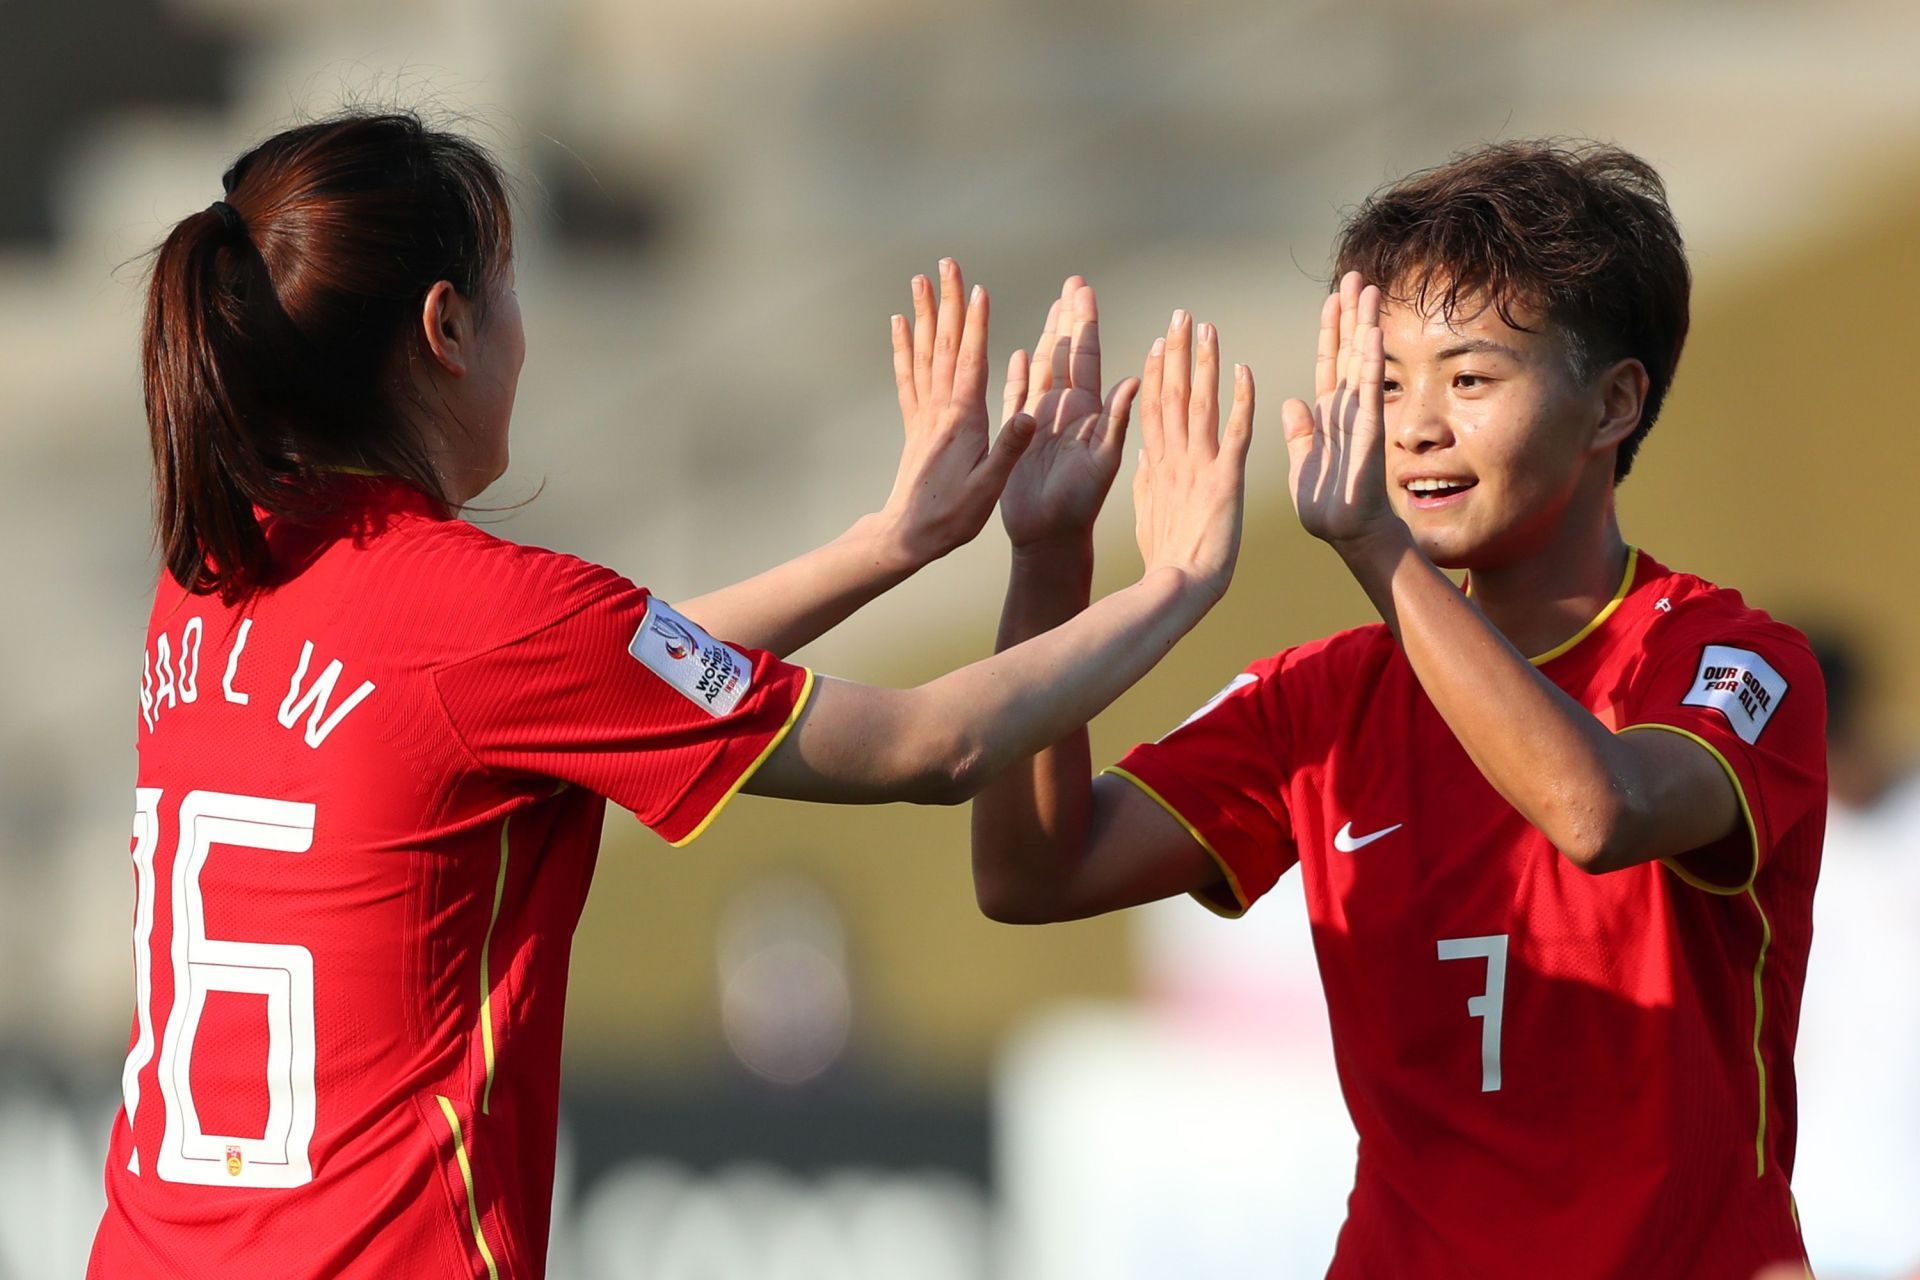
{"type": "Point", "coordinates": [278, 320]}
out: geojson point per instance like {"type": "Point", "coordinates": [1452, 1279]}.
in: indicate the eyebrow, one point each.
{"type": "Point", "coordinates": [1468, 347]}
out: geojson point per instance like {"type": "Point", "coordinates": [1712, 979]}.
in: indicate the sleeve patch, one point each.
{"type": "Point", "coordinates": [713, 676]}
{"type": "Point", "coordinates": [1739, 684]}
{"type": "Point", "coordinates": [1234, 685]}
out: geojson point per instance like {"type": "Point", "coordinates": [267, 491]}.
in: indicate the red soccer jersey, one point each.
{"type": "Point", "coordinates": [367, 813]}
{"type": "Point", "coordinates": [1551, 1073]}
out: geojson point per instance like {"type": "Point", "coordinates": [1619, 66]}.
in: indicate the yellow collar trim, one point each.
{"type": "Point", "coordinates": [1606, 611]}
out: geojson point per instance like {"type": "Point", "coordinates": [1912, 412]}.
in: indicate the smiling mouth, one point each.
{"type": "Point", "coordinates": [1428, 494]}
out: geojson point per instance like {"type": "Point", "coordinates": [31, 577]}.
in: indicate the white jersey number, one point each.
{"type": "Point", "coordinates": [281, 972]}
{"type": "Point", "coordinates": [1493, 949]}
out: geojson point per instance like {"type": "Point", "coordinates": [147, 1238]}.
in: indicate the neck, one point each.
{"type": "Point", "coordinates": [1545, 599]}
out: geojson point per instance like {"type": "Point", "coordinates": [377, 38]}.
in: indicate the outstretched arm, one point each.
{"type": "Point", "coordinates": [1605, 800]}
{"type": "Point", "coordinates": [1049, 843]}
{"type": "Point", "coordinates": [945, 740]}
{"type": "Point", "coordinates": [948, 481]}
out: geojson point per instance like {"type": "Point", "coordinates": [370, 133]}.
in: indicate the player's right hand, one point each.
{"type": "Point", "coordinates": [1063, 478]}
{"type": "Point", "coordinates": [1190, 490]}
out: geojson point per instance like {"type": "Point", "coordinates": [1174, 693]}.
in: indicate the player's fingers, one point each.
{"type": "Point", "coordinates": [1152, 440]}
{"type": "Point", "coordinates": [1042, 375]}
{"type": "Point", "coordinates": [1296, 426]}
{"type": "Point", "coordinates": [1349, 317]}
{"type": "Point", "coordinates": [1016, 393]}
{"type": "Point", "coordinates": [1326, 359]}
{"type": "Point", "coordinates": [1083, 367]}
{"type": "Point", "coordinates": [1111, 436]}
{"type": "Point", "coordinates": [922, 337]}
{"type": "Point", "coordinates": [991, 475]}
{"type": "Point", "coordinates": [1373, 374]}
{"type": "Point", "coordinates": [946, 338]}
{"type": "Point", "coordinates": [1203, 404]}
{"type": "Point", "coordinates": [970, 373]}
{"type": "Point", "coordinates": [1175, 377]}
{"type": "Point", "coordinates": [903, 370]}
{"type": "Point", "coordinates": [1239, 433]}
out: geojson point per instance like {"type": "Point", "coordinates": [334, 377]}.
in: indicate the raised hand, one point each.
{"type": "Point", "coordinates": [949, 477]}
{"type": "Point", "coordinates": [1057, 488]}
{"type": "Point", "coordinates": [1190, 491]}
{"type": "Point", "coordinates": [1336, 448]}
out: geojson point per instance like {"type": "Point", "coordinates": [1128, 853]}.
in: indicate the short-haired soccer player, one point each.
{"type": "Point", "coordinates": [1560, 830]}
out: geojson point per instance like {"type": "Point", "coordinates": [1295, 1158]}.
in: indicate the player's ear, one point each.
{"type": "Point", "coordinates": [446, 324]}
{"type": "Point", "coordinates": [1621, 394]}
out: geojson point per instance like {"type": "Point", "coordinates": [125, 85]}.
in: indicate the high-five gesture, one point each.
{"type": "Point", "coordinates": [1190, 491]}
{"type": "Point", "coordinates": [1060, 483]}
{"type": "Point", "coordinates": [1336, 448]}
{"type": "Point", "coordinates": [949, 477]}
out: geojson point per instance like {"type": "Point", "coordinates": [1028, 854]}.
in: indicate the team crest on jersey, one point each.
{"type": "Point", "coordinates": [233, 1162]}
{"type": "Point", "coordinates": [712, 675]}
{"type": "Point", "coordinates": [1739, 684]}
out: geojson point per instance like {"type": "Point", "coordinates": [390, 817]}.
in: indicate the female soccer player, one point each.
{"type": "Point", "coordinates": [1560, 831]}
{"type": "Point", "coordinates": [376, 742]}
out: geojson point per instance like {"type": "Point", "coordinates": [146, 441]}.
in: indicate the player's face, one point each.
{"type": "Point", "coordinates": [1489, 436]}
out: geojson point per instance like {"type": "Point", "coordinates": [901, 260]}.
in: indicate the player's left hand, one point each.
{"type": "Point", "coordinates": [949, 477]}
{"type": "Point", "coordinates": [1061, 482]}
{"type": "Point", "coordinates": [1336, 448]}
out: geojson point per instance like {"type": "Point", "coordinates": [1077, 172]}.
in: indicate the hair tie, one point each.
{"type": "Point", "coordinates": [229, 217]}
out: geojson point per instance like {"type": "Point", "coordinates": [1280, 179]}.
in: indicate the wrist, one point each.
{"type": "Point", "coordinates": [1070, 552]}
{"type": "Point", "coordinates": [884, 542]}
{"type": "Point", "coordinates": [1377, 551]}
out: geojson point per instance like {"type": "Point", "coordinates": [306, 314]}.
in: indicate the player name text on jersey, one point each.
{"type": "Point", "coordinates": [170, 678]}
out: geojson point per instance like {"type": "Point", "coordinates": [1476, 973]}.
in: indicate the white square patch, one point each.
{"type": "Point", "coordinates": [1739, 684]}
{"type": "Point", "coordinates": [713, 676]}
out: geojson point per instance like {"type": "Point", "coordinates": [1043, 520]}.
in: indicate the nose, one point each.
{"type": "Point", "coordinates": [1421, 424]}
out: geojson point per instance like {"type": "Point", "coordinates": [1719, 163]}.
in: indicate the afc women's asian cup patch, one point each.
{"type": "Point", "coordinates": [713, 676]}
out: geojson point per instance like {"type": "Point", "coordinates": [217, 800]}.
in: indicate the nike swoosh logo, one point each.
{"type": "Point", "coordinates": [1346, 842]}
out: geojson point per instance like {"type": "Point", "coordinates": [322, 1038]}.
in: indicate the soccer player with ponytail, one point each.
{"type": "Point", "coordinates": [376, 742]}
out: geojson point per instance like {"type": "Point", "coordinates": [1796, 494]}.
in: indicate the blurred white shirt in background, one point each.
{"type": "Point", "coordinates": [1857, 1175]}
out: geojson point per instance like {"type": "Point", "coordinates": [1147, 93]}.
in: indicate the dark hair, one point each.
{"type": "Point", "coordinates": [275, 318]}
{"type": "Point", "coordinates": [1579, 233]}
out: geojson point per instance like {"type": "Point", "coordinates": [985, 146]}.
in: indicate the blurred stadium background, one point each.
{"type": "Point", "coordinates": [795, 1049]}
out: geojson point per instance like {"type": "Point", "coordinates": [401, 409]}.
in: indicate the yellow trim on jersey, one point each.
{"type": "Point", "coordinates": [1766, 926]}
{"type": "Point", "coordinates": [466, 1175]}
{"type": "Point", "coordinates": [799, 705]}
{"type": "Point", "coordinates": [1759, 1013]}
{"type": "Point", "coordinates": [1606, 611]}
{"type": "Point", "coordinates": [1746, 816]}
{"type": "Point", "coordinates": [486, 980]}
{"type": "Point", "coordinates": [1233, 881]}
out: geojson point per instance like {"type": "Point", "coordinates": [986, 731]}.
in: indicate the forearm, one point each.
{"type": "Point", "coordinates": [942, 742]}
{"type": "Point", "coordinates": [797, 602]}
{"type": "Point", "coordinates": [1552, 759]}
{"type": "Point", "coordinates": [1030, 821]}
{"type": "Point", "coordinates": [1045, 688]}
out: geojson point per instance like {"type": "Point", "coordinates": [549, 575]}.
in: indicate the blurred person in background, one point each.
{"type": "Point", "coordinates": [1857, 1178]}
{"type": "Point", "coordinates": [376, 743]}
{"type": "Point", "coordinates": [1560, 831]}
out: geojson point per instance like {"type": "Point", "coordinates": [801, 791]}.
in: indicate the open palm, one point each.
{"type": "Point", "coordinates": [1060, 482]}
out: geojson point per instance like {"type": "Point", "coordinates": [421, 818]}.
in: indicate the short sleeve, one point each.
{"type": "Point", "coordinates": [1222, 774]}
{"type": "Point", "coordinates": [1750, 692]}
{"type": "Point", "coordinates": [625, 697]}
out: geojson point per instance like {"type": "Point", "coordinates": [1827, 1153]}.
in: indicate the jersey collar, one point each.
{"type": "Point", "coordinates": [1594, 623]}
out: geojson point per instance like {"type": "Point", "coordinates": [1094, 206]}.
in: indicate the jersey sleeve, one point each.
{"type": "Point", "coordinates": [1750, 692]}
{"type": "Point", "coordinates": [1222, 774]}
{"type": "Point", "coordinates": [625, 697]}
